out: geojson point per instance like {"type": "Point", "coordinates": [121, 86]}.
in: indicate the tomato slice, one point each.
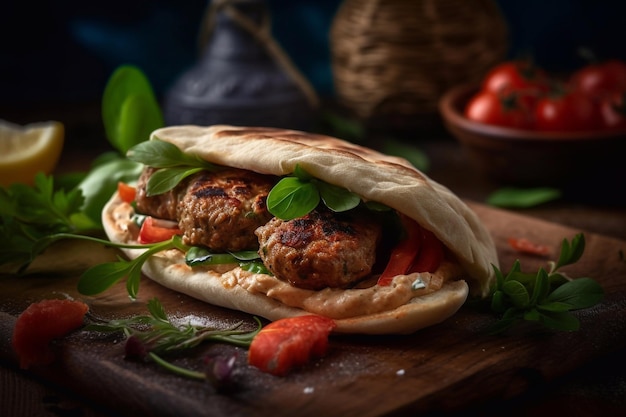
{"type": "Point", "coordinates": [126, 192]}
{"type": "Point", "coordinates": [284, 344]}
{"type": "Point", "coordinates": [404, 254]}
{"type": "Point", "coordinates": [156, 230]}
{"type": "Point", "coordinates": [526, 246]}
{"type": "Point", "coordinates": [431, 254]}
{"type": "Point", "coordinates": [42, 322]}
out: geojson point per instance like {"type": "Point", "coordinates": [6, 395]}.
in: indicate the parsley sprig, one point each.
{"type": "Point", "coordinates": [31, 213]}
{"type": "Point", "coordinates": [153, 336]}
{"type": "Point", "coordinates": [546, 297]}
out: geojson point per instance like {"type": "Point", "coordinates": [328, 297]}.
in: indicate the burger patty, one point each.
{"type": "Point", "coordinates": [161, 206]}
{"type": "Point", "coordinates": [322, 249]}
{"type": "Point", "coordinates": [219, 210]}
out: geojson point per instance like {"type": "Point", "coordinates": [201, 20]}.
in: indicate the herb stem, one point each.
{"type": "Point", "coordinates": [188, 373]}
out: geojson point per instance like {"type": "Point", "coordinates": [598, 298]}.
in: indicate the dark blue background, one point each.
{"type": "Point", "coordinates": [66, 50]}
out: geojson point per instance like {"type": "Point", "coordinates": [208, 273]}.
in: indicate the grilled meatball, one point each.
{"type": "Point", "coordinates": [322, 249]}
{"type": "Point", "coordinates": [221, 210]}
{"type": "Point", "coordinates": [162, 206]}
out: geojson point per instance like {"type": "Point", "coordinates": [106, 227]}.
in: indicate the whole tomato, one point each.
{"type": "Point", "coordinates": [600, 80]}
{"type": "Point", "coordinates": [496, 109]}
{"type": "Point", "coordinates": [568, 111]}
{"type": "Point", "coordinates": [613, 111]}
{"type": "Point", "coordinates": [519, 76]}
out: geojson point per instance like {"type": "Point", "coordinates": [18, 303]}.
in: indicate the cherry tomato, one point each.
{"type": "Point", "coordinates": [613, 110]}
{"type": "Point", "coordinates": [155, 230]}
{"type": "Point", "coordinates": [520, 76]}
{"type": "Point", "coordinates": [566, 112]}
{"type": "Point", "coordinates": [42, 322]}
{"type": "Point", "coordinates": [126, 192]}
{"type": "Point", "coordinates": [495, 109]}
{"type": "Point", "coordinates": [290, 342]}
{"type": "Point", "coordinates": [526, 246]}
{"type": "Point", "coordinates": [600, 80]}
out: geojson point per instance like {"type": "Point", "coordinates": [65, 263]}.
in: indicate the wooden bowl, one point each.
{"type": "Point", "coordinates": [533, 158]}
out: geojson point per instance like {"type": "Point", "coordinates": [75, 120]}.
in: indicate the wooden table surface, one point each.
{"type": "Point", "coordinates": [590, 382]}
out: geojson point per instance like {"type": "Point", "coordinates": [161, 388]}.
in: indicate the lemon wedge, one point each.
{"type": "Point", "coordinates": [29, 149]}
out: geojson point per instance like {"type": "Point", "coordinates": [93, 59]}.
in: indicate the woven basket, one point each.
{"type": "Point", "coordinates": [393, 59]}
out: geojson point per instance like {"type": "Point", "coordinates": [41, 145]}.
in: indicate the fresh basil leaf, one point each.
{"type": "Point", "coordinates": [101, 183]}
{"type": "Point", "coordinates": [101, 277]}
{"type": "Point", "coordinates": [571, 252]}
{"type": "Point", "coordinates": [130, 110]}
{"type": "Point", "coordinates": [578, 293]}
{"type": "Point", "coordinates": [517, 292]}
{"type": "Point", "coordinates": [376, 206]}
{"type": "Point", "coordinates": [246, 255]}
{"type": "Point", "coordinates": [512, 197]}
{"type": "Point", "coordinates": [165, 179]}
{"type": "Point", "coordinates": [532, 315]}
{"type": "Point", "coordinates": [199, 256]}
{"type": "Point", "coordinates": [303, 175]}
{"type": "Point", "coordinates": [161, 154]}
{"type": "Point", "coordinates": [336, 198]}
{"type": "Point", "coordinates": [291, 198]}
{"type": "Point", "coordinates": [554, 306]}
{"type": "Point", "coordinates": [541, 287]}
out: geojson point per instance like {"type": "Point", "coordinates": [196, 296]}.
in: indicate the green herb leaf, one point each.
{"type": "Point", "coordinates": [546, 297]}
{"type": "Point", "coordinates": [130, 110]}
{"type": "Point", "coordinates": [512, 197]}
{"type": "Point", "coordinates": [336, 198]}
{"type": "Point", "coordinates": [166, 179]}
{"type": "Point", "coordinates": [291, 198]}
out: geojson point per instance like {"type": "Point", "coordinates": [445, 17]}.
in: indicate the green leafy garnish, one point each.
{"type": "Point", "coordinates": [298, 195]}
{"type": "Point", "coordinates": [130, 110]}
{"type": "Point", "coordinates": [154, 336]}
{"type": "Point", "coordinates": [174, 165]}
{"type": "Point", "coordinates": [29, 214]}
{"type": "Point", "coordinates": [101, 277]}
{"type": "Point", "coordinates": [513, 197]}
{"type": "Point", "coordinates": [545, 297]}
{"type": "Point", "coordinates": [248, 260]}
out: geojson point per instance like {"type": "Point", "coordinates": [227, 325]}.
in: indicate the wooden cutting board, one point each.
{"type": "Point", "coordinates": [448, 367]}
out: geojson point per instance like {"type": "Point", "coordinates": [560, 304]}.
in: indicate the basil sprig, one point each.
{"type": "Point", "coordinates": [545, 297]}
{"type": "Point", "coordinates": [174, 165]}
{"type": "Point", "coordinates": [298, 195]}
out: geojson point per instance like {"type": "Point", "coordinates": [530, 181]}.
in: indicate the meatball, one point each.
{"type": "Point", "coordinates": [221, 210]}
{"type": "Point", "coordinates": [162, 206]}
{"type": "Point", "coordinates": [322, 249]}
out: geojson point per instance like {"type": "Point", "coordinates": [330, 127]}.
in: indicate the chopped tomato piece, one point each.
{"type": "Point", "coordinates": [431, 254]}
{"type": "Point", "coordinates": [42, 322]}
{"type": "Point", "coordinates": [126, 192]}
{"type": "Point", "coordinates": [156, 230]}
{"type": "Point", "coordinates": [287, 343]}
{"type": "Point", "coordinates": [404, 254]}
{"type": "Point", "coordinates": [526, 246]}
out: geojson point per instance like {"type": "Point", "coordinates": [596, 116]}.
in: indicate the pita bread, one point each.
{"type": "Point", "coordinates": [370, 174]}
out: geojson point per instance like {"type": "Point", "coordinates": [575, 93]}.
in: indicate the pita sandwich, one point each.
{"type": "Point", "coordinates": [413, 300]}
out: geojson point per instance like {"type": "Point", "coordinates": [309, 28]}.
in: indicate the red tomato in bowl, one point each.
{"type": "Point", "coordinates": [613, 111]}
{"type": "Point", "coordinates": [567, 112]}
{"type": "Point", "coordinates": [600, 80]}
{"type": "Point", "coordinates": [501, 110]}
{"type": "Point", "coordinates": [519, 76]}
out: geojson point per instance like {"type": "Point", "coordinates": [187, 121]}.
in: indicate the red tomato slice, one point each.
{"type": "Point", "coordinates": [42, 322]}
{"type": "Point", "coordinates": [404, 254]}
{"type": "Point", "coordinates": [430, 255]}
{"type": "Point", "coordinates": [284, 344]}
{"type": "Point", "coordinates": [126, 192]}
{"type": "Point", "coordinates": [526, 246]}
{"type": "Point", "coordinates": [156, 230]}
